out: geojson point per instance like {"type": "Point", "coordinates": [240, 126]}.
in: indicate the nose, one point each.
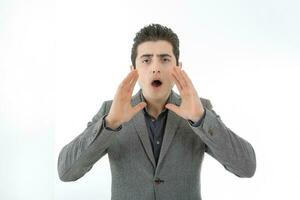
{"type": "Point", "coordinates": [155, 71]}
{"type": "Point", "coordinates": [155, 68]}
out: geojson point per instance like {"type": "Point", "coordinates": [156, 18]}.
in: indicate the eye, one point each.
{"type": "Point", "coordinates": [146, 61]}
{"type": "Point", "coordinates": [166, 59]}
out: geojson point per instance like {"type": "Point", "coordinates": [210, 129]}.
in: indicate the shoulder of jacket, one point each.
{"type": "Point", "coordinates": [206, 102]}
{"type": "Point", "coordinates": [107, 105]}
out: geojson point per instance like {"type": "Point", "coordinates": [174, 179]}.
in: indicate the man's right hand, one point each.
{"type": "Point", "coordinates": [121, 109]}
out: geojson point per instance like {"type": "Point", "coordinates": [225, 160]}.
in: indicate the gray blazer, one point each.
{"type": "Point", "coordinates": [176, 176]}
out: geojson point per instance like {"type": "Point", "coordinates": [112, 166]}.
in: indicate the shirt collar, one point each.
{"type": "Point", "coordinates": [145, 109]}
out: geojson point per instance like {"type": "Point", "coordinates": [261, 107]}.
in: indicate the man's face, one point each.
{"type": "Point", "coordinates": [155, 61]}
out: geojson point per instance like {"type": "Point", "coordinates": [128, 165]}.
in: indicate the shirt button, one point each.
{"type": "Point", "coordinates": [157, 142]}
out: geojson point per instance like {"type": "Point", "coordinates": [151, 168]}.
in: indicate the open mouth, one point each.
{"type": "Point", "coordinates": [156, 83]}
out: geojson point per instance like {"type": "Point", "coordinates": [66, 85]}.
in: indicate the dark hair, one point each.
{"type": "Point", "coordinates": [154, 32]}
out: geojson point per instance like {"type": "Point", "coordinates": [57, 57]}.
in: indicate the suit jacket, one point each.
{"type": "Point", "coordinates": [176, 176]}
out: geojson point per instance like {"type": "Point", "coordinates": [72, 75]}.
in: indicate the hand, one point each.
{"type": "Point", "coordinates": [191, 107]}
{"type": "Point", "coordinates": [121, 110]}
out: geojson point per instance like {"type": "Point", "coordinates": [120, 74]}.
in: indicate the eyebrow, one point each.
{"type": "Point", "coordinates": [159, 55]}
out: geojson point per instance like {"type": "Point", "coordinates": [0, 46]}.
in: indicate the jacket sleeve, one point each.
{"type": "Point", "coordinates": [77, 158]}
{"type": "Point", "coordinates": [233, 152]}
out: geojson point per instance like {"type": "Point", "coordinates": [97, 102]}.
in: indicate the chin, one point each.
{"type": "Point", "coordinates": [161, 95]}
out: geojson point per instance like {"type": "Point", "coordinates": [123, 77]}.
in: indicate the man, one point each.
{"type": "Point", "coordinates": [156, 139]}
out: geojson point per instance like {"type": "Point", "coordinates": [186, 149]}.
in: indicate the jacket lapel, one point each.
{"type": "Point", "coordinates": [172, 124]}
{"type": "Point", "coordinates": [170, 128]}
{"type": "Point", "coordinates": [141, 128]}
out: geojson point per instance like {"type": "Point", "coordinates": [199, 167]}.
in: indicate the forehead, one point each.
{"type": "Point", "coordinates": [155, 47]}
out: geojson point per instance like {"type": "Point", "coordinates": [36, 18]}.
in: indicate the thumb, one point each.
{"type": "Point", "coordinates": [172, 107]}
{"type": "Point", "coordinates": [139, 107]}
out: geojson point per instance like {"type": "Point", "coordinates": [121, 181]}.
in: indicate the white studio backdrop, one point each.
{"type": "Point", "coordinates": [60, 60]}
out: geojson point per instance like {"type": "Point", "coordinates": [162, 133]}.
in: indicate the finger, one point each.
{"type": "Point", "coordinates": [180, 77]}
{"type": "Point", "coordinates": [188, 80]}
{"type": "Point", "coordinates": [176, 77]}
{"type": "Point", "coordinates": [128, 78]}
{"type": "Point", "coordinates": [179, 87]}
{"type": "Point", "coordinates": [173, 108]}
{"type": "Point", "coordinates": [139, 107]}
{"type": "Point", "coordinates": [133, 82]}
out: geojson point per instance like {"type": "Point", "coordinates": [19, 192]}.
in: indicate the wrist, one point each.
{"type": "Point", "coordinates": [111, 122]}
{"type": "Point", "coordinates": [197, 117]}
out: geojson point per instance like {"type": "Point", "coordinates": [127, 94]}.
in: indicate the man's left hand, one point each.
{"type": "Point", "coordinates": [191, 107]}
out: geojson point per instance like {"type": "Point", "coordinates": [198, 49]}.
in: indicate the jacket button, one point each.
{"type": "Point", "coordinates": [158, 181]}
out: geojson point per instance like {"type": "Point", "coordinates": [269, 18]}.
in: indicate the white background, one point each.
{"type": "Point", "coordinates": [60, 60]}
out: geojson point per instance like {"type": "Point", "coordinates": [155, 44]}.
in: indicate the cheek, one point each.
{"type": "Point", "coordinates": [141, 72]}
{"type": "Point", "coordinates": [141, 80]}
{"type": "Point", "coordinates": [170, 78]}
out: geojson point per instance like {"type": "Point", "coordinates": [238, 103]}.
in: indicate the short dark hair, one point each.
{"type": "Point", "coordinates": [154, 32]}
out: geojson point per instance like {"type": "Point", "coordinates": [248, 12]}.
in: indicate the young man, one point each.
{"type": "Point", "coordinates": [156, 139]}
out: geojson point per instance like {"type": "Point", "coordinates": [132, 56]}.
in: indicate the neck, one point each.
{"type": "Point", "coordinates": [155, 106]}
